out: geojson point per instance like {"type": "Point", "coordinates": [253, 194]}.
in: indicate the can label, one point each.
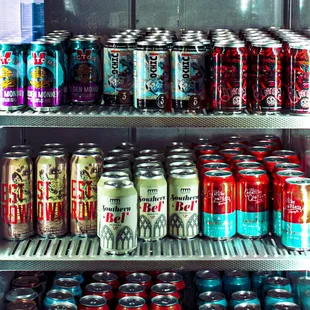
{"type": "Point", "coordinates": [45, 79]}
{"type": "Point", "coordinates": [85, 174]}
{"type": "Point", "coordinates": [253, 224]}
{"type": "Point", "coordinates": [119, 220]}
{"type": "Point", "coordinates": [51, 198]}
{"type": "Point", "coordinates": [118, 73]}
{"type": "Point", "coordinates": [12, 75]}
{"type": "Point", "coordinates": [188, 84]}
{"type": "Point", "coordinates": [16, 199]}
{"type": "Point", "coordinates": [183, 211]}
{"type": "Point", "coordinates": [277, 222]}
{"type": "Point", "coordinates": [85, 75]}
{"type": "Point", "coordinates": [152, 212]}
{"type": "Point", "coordinates": [151, 76]}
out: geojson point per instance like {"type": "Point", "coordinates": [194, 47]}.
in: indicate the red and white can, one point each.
{"type": "Point", "coordinates": [291, 156]}
{"type": "Point", "coordinates": [234, 145]}
{"type": "Point", "coordinates": [165, 303]}
{"type": "Point", "coordinates": [130, 303]}
{"type": "Point", "coordinates": [260, 152]}
{"type": "Point", "coordinates": [242, 158]}
{"type": "Point", "coordinates": [93, 302]}
{"type": "Point", "coordinates": [160, 289]}
{"type": "Point", "coordinates": [229, 154]}
{"type": "Point", "coordinates": [271, 161]}
{"type": "Point", "coordinates": [101, 289]}
{"type": "Point", "coordinates": [130, 290]}
{"type": "Point", "coordinates": [108, 278]}
{"type": "Point", "coordinates": [205, 149]}
{"type": "Point", "coordinates": [209, 158]}
{"type": "Point", "coordinates": [272, 146]}
{"type": "Point", "coordinates": [248, 165]}
{"type": "Point", "coordinates": [270, 138]}
{"type": "Point", "coordinates": [140, 278]}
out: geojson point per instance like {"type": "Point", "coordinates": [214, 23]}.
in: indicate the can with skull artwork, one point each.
{"type": "Point", "coordinates": [151, 76]}
{"type": "Point", "coordinates": [51, 194]}
{"type": "Point", "coordinates": [86, 168]}
{"type": "Point", "coordinates": [118, 71]}
{"type": "Point", "coordinates": [187, 75]}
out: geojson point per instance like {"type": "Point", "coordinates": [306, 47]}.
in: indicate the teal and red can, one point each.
{"type": "Point", "coordinates": [278, 187]}
{"type": "Point", "coordinates": [13, 72]}
{"type": "Point", "coordinates": [295, 219]}
{"type": "Point", "coordinates": [213, 298]}
{"type": "Point", "coordinates": [57, 295]}
{"type": "Point", "coordinates": [219, 205]}
{"type": "Point", "coordinates": [236, 280]}
{"type": "Point", "coordinates": [75, 275]}
{"type": "Point", "coordinates": [276, 282]}
{"type": "Point", "coordinates": [208, 280]}
{"type": "Point", "coordinates": [274, 296]}
{"type": "Point", "coordinates": [70, 285]}
{"type": "Point", "coordinates": [45, 75]}
{"type": "Point", "coordinates": [85, 70]}
{"type": "Point", "coordinates": [243, 296]}
{"type": "Point", "coordinates": [253, 214]}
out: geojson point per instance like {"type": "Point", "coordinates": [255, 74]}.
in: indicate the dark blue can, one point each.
{"type": "Point", "coordinates": [208, 280]}
{"type": "Point", "coordinates": [70, 285]}
{"type": "Point", "coordinates": [75, 275]}
{"type": "Point", "coordinates": [258, 279]}
{"type": "Point", "coordinates": [272, 283]}
{"type": "Point", "coordinates": [57, 295]}
{"type": "Point", "coordinates": [235, 281]}
{"type": "Point", "coordinates": [213, 298]}
{"type": "Point", "coordinates": [277, 295]}
{"type": "Point", "coordinates": [242, 297]}
{"type": "Point", "coordinates": [286, 306]}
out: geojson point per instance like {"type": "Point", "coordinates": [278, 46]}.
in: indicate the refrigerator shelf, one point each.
{"type": "Point", "coordinates": [73, 253]}
{"type": "Point", "coordinates": [107, 117]}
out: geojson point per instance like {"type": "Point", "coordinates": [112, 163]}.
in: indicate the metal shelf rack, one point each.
{"type": "Point", "coordinates": [104, 117]}
{"type": "Point", "coordinates": [73, 253]}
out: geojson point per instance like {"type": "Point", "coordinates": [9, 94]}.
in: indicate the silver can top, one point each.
{"type": "Point", "coordinates": [93, 301]}
{"type": "Point", "coordinates": [131, 302]}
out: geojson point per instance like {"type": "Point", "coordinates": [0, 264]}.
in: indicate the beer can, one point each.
{"type": "Point", "coordinates": [278, 187]}
{"type": "Point", "coordinates": [90, 145]}
{"type": "Point", "coordinates": [75, 275]}
{"type": "Point", "coordinates": [119, 215]}
{"type": "Point", "coordinates": [22, 304]}
{"type": "Point", "coordinates": [101, 289]}
{"type": "Point", "coordinates": [23, 148]}
{"type": "Point", "coordinates": [93, 302]}
{"type": "Point", "coordinates": [28, 282]}
{"type": "Point", "coordinates": [183, 207]}
{"type": "Point", "coordinates": [70, 285]}
{"type": "Point", "coordinates": [52, 146]}
{"type": "Point", "coordinates": [174, 158]}
{"type": "Point", "coordinates": [213, 298]}
{"type": "Point", "coordinates": [132, 302]}
{"type": "Point", "coordinates": [16, 196]}
{"type": "Point", "coordinates": [159, 155]}
{"type": "Point", "coordinates": [160, 289]}
{"type": "Point", "coordinates": [57, 295]}
{"type": "Point", "coordinates": [260, 152]}
{"type": "Point", "coordinates": [149, 167]}
{"type": "Point", "coordinates": [285, 306]}
{"type": "Point", "coordinates": [131, 289]}
{"type": "Point", "coordinates": [295, 221]}
{"type": "Point", "coordinates": [277, 283]}
{"type": "Point", "coordinates": [165, 302]}
{"type": "Point", "coordinates": [243, 296]}
{"type": "Point", "coordinates": [291, 156]}
{"type": "Point", "coordinates": [140, 278]}
{"type": "Point", "coordinates": [152, 209]}
{"type": "Point", "coordinates": [208, 280]}
{"type": "Point", "coordinates": [247, 306]}
{"type": "Point", "coordinates": [120, 159]}
{"type": "Point", "coordinates": [274, 296]}
{"type": "Point", "coordinates": [51, 194]}
{"type": "Point", "coordinates": [108, 278]}
{"type": "Point", "coordinates": [213, 166]}
{"type": "Point", "coordinates": [21, 293]}
{"type": "Point", "coordinates": [62, 306]}
{"type": "Point", "coordinates": [293, 276]}
{"type": "Point", "coordinates": [234, 281]}
{"type": "Point", "coordinates": [118, 167]}
{"type": "Point", "coordinates": [258, 279]}
{"type": "Point", "coordinates": [182, 164]}
{"type": "Point", "coordinates": [219, 205]}
{"type": "Point", "coordinates": [212, 307]}
{"type": "Point", "coordinates": [86, 168]}
{"type": "Point", "coordinates": [253, 215]}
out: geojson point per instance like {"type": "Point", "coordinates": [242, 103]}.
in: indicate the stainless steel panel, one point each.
{"type": "Point", "coordinates": [169, 254]}
{"type": "Point", "coordinates": [300, 13]}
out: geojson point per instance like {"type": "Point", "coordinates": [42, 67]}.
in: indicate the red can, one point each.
{"type": "Point", "coordinates": [210, 158]}
{"type": "Point", "coordinates": [28, 282]}
{"type": "Point", "coordinates": [108, 278]}
{"type": "Point", "coordinates": [213, 166]}
{"type": "Point", "coordinates": [229, 154]}
{"type": "Point", "coordinates": [93, 302]}
{"type": "Point", "coordinates": [230, 76]}
{"type": "Point", "coordinates": [253, 216]}
{"type": "Point", "coordinates": [278, 187]}
{"type": "Point", "coordinates": [287, 166]}
{"type": "Point", "coordinates": [123, 274]}
{"type": "Point", "coordinates": [202, 141]}
{"type": "Point", "coordinates": [205, 149]}
{"type": "Point", "coordinates": [140, 278]}
{"type": "Point", "coordinates": [165, 303]}
{"type": "Point", "coordinates": [271, 161]}
{"type": "Point", "coordinates": [259, 152]}
{"type": "Point", "coordinates": [291, 156]}
{"type": "Point", "coordinates": [131, 289]}
{"type": "Point", "coordinates": [235, 146]}
{"type": "Point", "coordinates": [101, 289]}
{"type": "Point", "coordinates": [160, 289]}
{"type": "Point", "coordinates": [272, 146]}
{"type": "Point", "coordinates": [270, 138]}
{"type": "Point", "coordinates": [242, 158]}
{"type": "Point", "coordinates": [133, 302]}
{"type": "Point", "coordinates": [173, 278]}
{"type": "Point", "coordinates": [236, 139]}
{"type": "Point", "coordinates": [155, 273]}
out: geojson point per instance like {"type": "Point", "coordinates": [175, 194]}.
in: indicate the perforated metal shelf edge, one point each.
{"type": "Point", "coordinates": [105, 117]}
{"type": "Point", "coordinates": [73, 253]}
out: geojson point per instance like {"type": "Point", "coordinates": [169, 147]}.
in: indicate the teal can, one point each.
{"type": "Point", "coordinates": [212, 307]}
{"type": "Point", "coordinates": [236, 280]}
{"type": "Point", "coordinates": [57, 295]}
{"type": "Point", "coordinates": [243, 297]}
{"type": "Point", "coordinates": [247, 306]}
{"type": "Point", "coordinates": [258, 279]}
{"type": "Point", "coordinates": [293, 277]}
{"type": "Point", "coordinates": [303, 285]}
{"type": "Point", "coordinates": [286, 306]}
{"type": "Point", "coordinates": [208, 280]}
{"type": "Point", "coordinates": [70, 285]}
{"type": "Point", "coordinates": [213, 298]}
{"type": "Point", "coordinates": [277, 283]}
{"type": "Point", "coordinates": [277, 295]}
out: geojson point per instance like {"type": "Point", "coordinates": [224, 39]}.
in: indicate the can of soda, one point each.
{"type": "Point", "coordinates": [260, 152]}
{"type": "Point", "coordinates": [151, 187]}
{"type": "Point", "coordinates": [234, 281]}
{"type": "Point", "coordinates": [93, 302]}
{"type": "Point", "coordinates": [22, 304]}
{"type": "Point", "coordinates": [108, 278]}
{"type": "Point", "coordinates": [258, 279]}
{"type": "Point", "coordinates": [101, 289]}
{"type": "Point", "coordinates": [209, 158]}
{"type": "Point", "coordinates": [165, 302]}
{"type": "Point", "coordinates": [243, 296]}
{"type": "Point", "coordinates": [253, 215]}
{"type": "Point", "coordinates": [270, 138]}
{"type": "Point", "coordinates": [75, 275]}
{"type": "Point", "coordinates": [274, 296]}
{"type": "Point", "coordinates": [51, 194]}
{"type": "Point", "coordinates": [295, 222]}
{"type": "Point", "coordinates": [219, 205]}
{"type": "Point", "coordinates": [119, 216]}
{"type": "Point", "coordinates": [234, 145]}
{"type": "Point", "coordinates": [286, 306]}
{"type": "Point", "coordinates": [241, 159]}
{"type": "Point", "coordinates": [212, 307]}
{"type": "Point", "coordinates": [277, 283]}
{"type": "Point", "coordinates": [183, 207]}
{"type": "Point", "coordinates": [305, 302]}
{"type": "Point", "coordinates": [303, 286]}
{"type": "Point", "coordinates": [13, 72]}
{"type": "Point", "coordinates": [271, 145]}
{"type": "Point", "coordinates": [70, 285]}
{"type": "Point", "coordinates": [62, 306]}
{"type": "Point", "coordinates": [16, 196]}
{"type": "Point", "coordinates": [21, 293]}
{"type": "Point", "coordinates": [247, 306]}
{"type": "Point", "coordinates": [131, 290]}
{"type": "Point", "coordinates": [132, 302]}
{"type": "Point", "coordinates": [229, 154]}
{"type": "Point", "coordinates": [213, 298]}
{"type": "Point", "coordinates": [57, 295]}
{"type": "Point", "coordinates": [271, 161]}
{"type": "Point", "coordinates": [248, 165]}
{"type": "Point", "coordinates": [90, 145]}
{"type": "Point", "coordinates": [140, 278]}
{"type": "Point", "coordinates": [28, 282]}
{"type": "Point", "coordinates": [291, 156]}
{"type": "Point", "coordinates": [164, 289]}
{"type": "Point", "coordinates": [208, 280]}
